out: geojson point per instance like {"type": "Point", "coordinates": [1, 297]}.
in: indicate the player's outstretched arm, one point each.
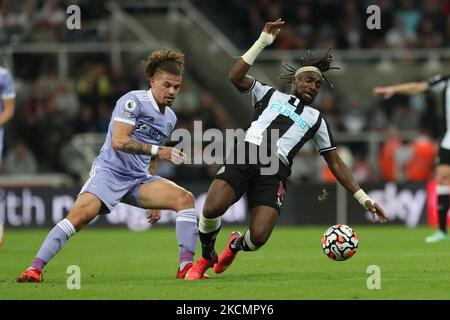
{"type": "Point", "coordinates": [410, 88]}
{"type": "Point", "coordinates": [238, 74]}
{"type": "Point", "coordinates": [122, 141]}
{"type": "Point", "coordinates": [345, 178]}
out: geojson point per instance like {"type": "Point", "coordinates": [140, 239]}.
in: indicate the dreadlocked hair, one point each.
{"type": "Point", "coordinates": [164, 60]}
{"type": "Point", "coordinates": [322, 64]}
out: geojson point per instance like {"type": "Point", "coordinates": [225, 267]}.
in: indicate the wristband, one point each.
{"type": "Point", "coordinates": [264, 40]}
{"type": "Point", "coordinates": [154, 150]}
{"type": "Point", "coordinates": [362, 197]}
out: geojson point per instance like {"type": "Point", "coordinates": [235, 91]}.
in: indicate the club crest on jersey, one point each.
{"type": "Point", "coordinates": [130, 105]}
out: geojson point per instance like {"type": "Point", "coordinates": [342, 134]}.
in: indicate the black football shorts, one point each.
{"type": "Point", "coordinates": [267, 190]}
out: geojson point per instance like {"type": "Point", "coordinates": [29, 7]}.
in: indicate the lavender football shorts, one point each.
{"type": "Point", "coordinates": [111, 187]}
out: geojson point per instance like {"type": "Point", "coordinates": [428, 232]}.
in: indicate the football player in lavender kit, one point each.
{"type": "Point", "coordinates": [140, 123]}
{"type": "Point", "coordinates": [7, 105]}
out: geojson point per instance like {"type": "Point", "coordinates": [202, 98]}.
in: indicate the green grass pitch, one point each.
{"type": "Point", "coordinates": [120, 264]}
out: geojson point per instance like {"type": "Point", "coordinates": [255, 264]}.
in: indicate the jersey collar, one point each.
{"type": "Point", "coordinates": [153, 101]}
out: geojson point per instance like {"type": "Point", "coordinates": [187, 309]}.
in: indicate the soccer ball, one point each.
{"type": "Point", "coordinates": [340, 242]}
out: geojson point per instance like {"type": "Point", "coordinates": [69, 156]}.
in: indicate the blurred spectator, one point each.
{"type": "Point", "coordinates": [211, 112]}
{"type": "Point", "coordinates": [305, 25]}
{"type": "Point", "coordinates": [51, 22]}
{"type": "Point", "coordinates": [121, 82]}
{"type": "Point", "coordinates": [361, 168]}
{"type": "Point", "coordinates": [305, 166]}
{"type": "Point", "coordinates": [85, 120]}
{"type": "Point", "coordinates": [36, 103]}
{"type": "Point", "coordinates": [66, 99]}
{"type": "Point", "coordinates": [377, 119]}
{"type": "Point", "coordinates": [404, 118]}
{"type": "Point", "coordinates": [402, 157]}
{"type": "Point", "coordinates": [289, 39]}
{"type": "Point", "coordinates": [388, 166]}
{"type": "Point", "coordinates": [53, 131]}
{"type": "Point", "coordinates": [354, 119]}
{"type": "Point", "coordinates": [421, 163]}
{"type": "Point", "coordinates": [432, 10]}
{"type": "Point", "coordinates": [326, 176]}
{"type": "Point", "coordinates": [328, 107]}
{"type": "Point", "coordinates": [410, 15]}
{"type": "Point", "coordinates": [398, 37]}
{"type": "Point", "coordinates": [15, 20]}
{"type": "Point", "coordinates": [428, 36]}
{"type": "Point", "coordinates": [20, 160]}
{"type": "Point", "coordinates": [104, 117]}
{"type": "Point", "coordinates": [94, 85]}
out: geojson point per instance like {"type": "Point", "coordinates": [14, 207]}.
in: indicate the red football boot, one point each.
{"type": "Point", "coordinates": [227, 256]}
{"type": "Point", "coordinates": [197, 271]}
{"type": "Point", "coordinates": [30, 275]}
{"type": "Point", "coordinates": [181, 274]}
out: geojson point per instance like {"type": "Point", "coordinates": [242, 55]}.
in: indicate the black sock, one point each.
{"type": "Point", "coordinates": [443, 204]}
{"type": "Point", "coordinates": [239, 244]}
{"type": "Point", "coordinates": [236, 244]}
{"type": "Point", "coordinates": [208, 240]}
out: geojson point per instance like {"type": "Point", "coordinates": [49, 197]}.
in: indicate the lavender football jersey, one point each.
{"type": "Point", "coordinates": [6, 92]}
{"type": "Point", "coordinates": [139, 109]}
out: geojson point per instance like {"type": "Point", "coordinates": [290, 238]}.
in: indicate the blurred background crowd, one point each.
{"type": "Point", "coordinates": [52, 109]}
{"type": "Point", "coordinates": [339, 24]}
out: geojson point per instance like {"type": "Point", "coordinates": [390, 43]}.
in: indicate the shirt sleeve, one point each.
{"type": "Point", "coordinates": [257, 91]}
{"type": "Point", "coordinates": [438, 82]}
{"type": "Point", "coordinates": [323, 139]}
{"type": "Point", "coordinates": [127, 109]}
{"type": "Point", "coordinates": [7, 85]}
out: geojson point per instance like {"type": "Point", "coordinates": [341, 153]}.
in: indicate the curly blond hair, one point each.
{"type": "Point", "coordinates": [164, 60]}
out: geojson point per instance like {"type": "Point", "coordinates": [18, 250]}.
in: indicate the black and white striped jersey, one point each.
{"type": "Point", "coordinates": [441, 85]}
{"type": "Point", "coordinates": [293, 122]}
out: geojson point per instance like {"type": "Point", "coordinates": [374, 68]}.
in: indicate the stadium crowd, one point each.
{"type": "Point", "coordinates": [335, 23]}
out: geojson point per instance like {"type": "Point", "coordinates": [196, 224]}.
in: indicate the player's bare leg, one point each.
{"type": "Point", "coordinates": [164, 194]}
{"type": "Point", "coordinates": [86, 208]}
{"type": "Point", "coordinates": [443, 194]}
{"type": "Point", "coordinates": [262, 222]}
{"type": "Point", "coordinates": [219, 198]}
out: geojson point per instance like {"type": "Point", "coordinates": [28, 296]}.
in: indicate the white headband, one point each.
{"type": "Point", "coordinates": [308, 68]}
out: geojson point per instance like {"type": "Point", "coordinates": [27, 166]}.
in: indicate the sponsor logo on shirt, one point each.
{"type": "Point", "coordinates": [151, 133]}
{"type": "Point", "coordinates": [287, 110]}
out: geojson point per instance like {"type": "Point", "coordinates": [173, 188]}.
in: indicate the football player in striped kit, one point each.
{"type": "Point", "coordinates": [294, 122]}
{"type": "Point", "coordinates": [439, 84]}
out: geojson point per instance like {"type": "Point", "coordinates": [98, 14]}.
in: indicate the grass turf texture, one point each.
{"type": "Point", "coordinates": [120, 264]}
